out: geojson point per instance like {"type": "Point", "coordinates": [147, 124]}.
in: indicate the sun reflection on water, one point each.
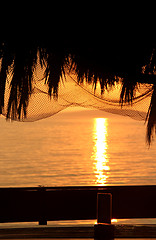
{"type": "Point", "coordinates": [100, 156]}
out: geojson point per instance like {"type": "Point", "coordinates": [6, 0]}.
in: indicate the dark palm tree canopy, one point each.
{"type": "Point", "coordinates": [93, 62]}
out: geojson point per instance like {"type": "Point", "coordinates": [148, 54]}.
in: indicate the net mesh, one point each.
{"type": "Point", "coordinates": [72, 93]}
{"type": "Point", "coordinates": [118, 97]}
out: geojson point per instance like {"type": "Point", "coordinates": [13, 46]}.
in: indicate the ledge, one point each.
{"type": "Point", "coordinates": [120, 231]}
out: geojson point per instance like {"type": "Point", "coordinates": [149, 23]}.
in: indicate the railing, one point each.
{"type": "Point", "coordinates": [44, 204]}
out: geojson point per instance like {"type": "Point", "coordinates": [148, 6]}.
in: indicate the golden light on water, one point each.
{"type": "Point", "coordinates": [100, 156]}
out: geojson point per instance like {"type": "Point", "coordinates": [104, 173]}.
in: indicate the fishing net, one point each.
{"type": "Point", "coordinates": [30, 95]}
{"type": "Point", "coordinates": [72, 93]}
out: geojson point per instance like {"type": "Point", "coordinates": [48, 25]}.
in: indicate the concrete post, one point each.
{"type": "Point", "coordinates": [104, 208]}
{"type": "Point", "coordinates": [103, 229]}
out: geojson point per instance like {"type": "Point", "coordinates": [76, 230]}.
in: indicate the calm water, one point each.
{"type": "Point", "coordinates": [76, 148]}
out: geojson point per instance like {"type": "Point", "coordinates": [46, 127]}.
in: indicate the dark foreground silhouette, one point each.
{"type": "Point", "coordinates": [44, 204]}
{"type": "Point", "coordinates": [72, 203]}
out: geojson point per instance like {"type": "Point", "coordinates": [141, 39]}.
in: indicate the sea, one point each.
{"type": "Point", "coordinates": [77, 147]}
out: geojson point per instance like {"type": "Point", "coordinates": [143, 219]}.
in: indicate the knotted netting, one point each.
{"type": "Point", "coordinates": [36, 83]}
{"type": "Point", "coordinates": [72, 93]}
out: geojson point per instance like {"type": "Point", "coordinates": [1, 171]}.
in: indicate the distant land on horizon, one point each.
{"type": "Point", "coordinates": [79, 112]}
{"type": "Point", "coordinates": [85, 113]}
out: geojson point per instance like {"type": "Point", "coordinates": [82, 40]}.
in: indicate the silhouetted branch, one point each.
{"type": "Point", "coordinates": [7, 60]}
{"type": "Point", "coordinates": [151, 118]}
{"type": "Point", "coordinates": [99, 63]}
{"type": "Point", "coordinates": [128, 91]}
{"type": "Point", "coordinates": [24, 63]}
